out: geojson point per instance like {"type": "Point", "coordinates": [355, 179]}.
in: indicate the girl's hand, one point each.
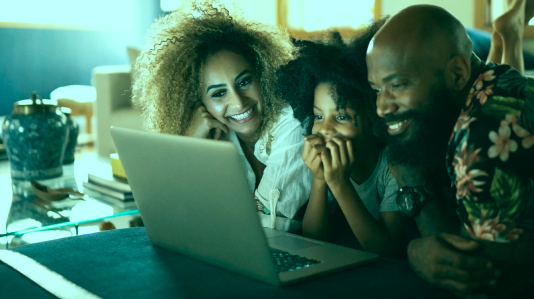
{"type": "Point", "coordinates": [337, 161]}
{"type": "Point", "coordinates": [311, 154]}
{"type": "Point", "coordinates": [203, 124]}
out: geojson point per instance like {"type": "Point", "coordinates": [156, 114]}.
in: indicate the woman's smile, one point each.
{"type": "Point", "coordinates": [243, 117]}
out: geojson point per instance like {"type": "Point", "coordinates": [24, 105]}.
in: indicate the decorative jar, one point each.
{"type": "Point", "coordinates": [35, 135]}
{"type": "Point", "coordinates": [73, 129]}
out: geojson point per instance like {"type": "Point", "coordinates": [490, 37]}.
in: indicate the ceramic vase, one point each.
{"type": "Point", "coordinates": [74, 130]}
{"type": "Point", "coordinates": [35, 137]}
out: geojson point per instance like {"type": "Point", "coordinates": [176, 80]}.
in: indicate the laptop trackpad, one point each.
{"type": "Point", "coordinates": [291, 243]}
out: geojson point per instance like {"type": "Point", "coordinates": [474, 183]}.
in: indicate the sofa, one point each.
{"type": "Point", "coordinates": [113, 106]}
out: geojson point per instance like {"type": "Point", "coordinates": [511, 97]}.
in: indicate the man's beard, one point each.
{"type": "Point", "coordinates": [431, 129]}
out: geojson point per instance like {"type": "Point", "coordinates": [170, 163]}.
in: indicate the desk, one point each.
{"type": "Point", "coordinates": [124, 264]}
{"type": "Point", "coordinates": [20, 209]}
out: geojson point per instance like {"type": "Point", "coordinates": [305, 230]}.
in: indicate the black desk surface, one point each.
{"type": "Point", "coordinates": [124, 264]}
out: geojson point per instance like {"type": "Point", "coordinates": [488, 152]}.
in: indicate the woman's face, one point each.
{"type": "Point", "coordinates": [231, 92]}
{"type": "Point", "coordinates": [330, 122]}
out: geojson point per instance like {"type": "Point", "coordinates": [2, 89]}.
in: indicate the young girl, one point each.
{"type": "Point", "coordinates": [205, 73]}
{"type": "Point", "coordinates": [328, 89]}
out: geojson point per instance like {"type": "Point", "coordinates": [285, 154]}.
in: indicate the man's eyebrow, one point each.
{"type": "Point", "coordinates": [241, 74]}
{"type": "Point", "coordinates": [389, 77]}
{"type": "Point", "coordinates": [215, 86]}
{"type": "Point", "coordinates": [385, 79]}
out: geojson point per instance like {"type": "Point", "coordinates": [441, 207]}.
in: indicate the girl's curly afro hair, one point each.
{"type": "Point", "coordinates": [170, 71]}
{"type": "Point", "coordinates": [335, 62]}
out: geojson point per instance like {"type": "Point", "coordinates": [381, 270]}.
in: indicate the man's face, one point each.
{"type": "Point", "coordinates": [414, 103]}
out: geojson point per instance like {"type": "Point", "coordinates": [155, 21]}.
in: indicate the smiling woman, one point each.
{"type": "Point", "coordinates": [206, 74]}
{"type": "Point", "coordinates": [233, 95]}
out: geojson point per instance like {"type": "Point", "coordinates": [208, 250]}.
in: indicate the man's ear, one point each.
{"type": "Point", "coordinates": [458, 72]}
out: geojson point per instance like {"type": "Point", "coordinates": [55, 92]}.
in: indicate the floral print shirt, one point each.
{"type": "Point", "coordinates": [491, 156]}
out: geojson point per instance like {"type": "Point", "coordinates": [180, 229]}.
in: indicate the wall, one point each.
{"type": "Point", "coordinates": [464, 10]}
{"type": "Point", "coordinates": [44, 59]}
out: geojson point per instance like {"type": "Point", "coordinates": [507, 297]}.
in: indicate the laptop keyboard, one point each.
{"type": "Point", "coordinates": [285, 261]}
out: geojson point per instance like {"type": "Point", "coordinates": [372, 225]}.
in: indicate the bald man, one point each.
{"type": "Point", "coordinates": [455, 121]}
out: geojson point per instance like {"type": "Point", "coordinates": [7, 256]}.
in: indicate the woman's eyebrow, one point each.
{"type": "Point", "coordinates": [215, 86]}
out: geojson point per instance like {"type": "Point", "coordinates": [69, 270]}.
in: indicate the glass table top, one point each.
{"type": "Point", "coordinates": [26, 218]}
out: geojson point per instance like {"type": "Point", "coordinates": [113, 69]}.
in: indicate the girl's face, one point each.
{"type": "Point", "coordinates": [330, 122]}
{"type": "Point", "coordinates": [231, 92]}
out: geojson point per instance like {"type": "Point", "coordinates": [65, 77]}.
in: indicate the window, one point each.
{"type": "Point", "coordinates": [304, 18]}
{"type": "Point", "coordinates": [171, 5]}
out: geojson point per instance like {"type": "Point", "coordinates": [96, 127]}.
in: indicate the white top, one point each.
{"type": "Point", "coordinates": [378, 192]}
{"type": "Point", "coordinates": [286, 182]}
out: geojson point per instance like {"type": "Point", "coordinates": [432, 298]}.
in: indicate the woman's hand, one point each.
{"type": "Point", "coordinates": [204, 125]}
{"type": "Point", "coordinates": [337, 161]}
{"type": "Point", "coordinates": [311, 154]}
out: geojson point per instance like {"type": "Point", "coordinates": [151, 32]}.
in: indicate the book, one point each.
{"type": "Point", "coordinates": [107, 179]}
{"type": "Point", "coordinates": [124, 196]}
{"type": "Point", "coordinates": [110, 200]}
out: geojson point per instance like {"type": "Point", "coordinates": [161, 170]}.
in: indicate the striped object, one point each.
{"type": "Point", "coordinates": [49, 280]}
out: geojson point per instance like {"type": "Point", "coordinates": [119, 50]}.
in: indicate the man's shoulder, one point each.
{"type": "Point", "coordinates": [494, 65]}
{"type": "Point", "coordinates": [497, 87]}
{"type": "Point", "coordinates": [497, 69]}
{"type": "Point", "coordinates": [504, 78]}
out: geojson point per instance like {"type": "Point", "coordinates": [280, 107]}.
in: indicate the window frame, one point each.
{"type": "Point", "coordinates": [302, 34]}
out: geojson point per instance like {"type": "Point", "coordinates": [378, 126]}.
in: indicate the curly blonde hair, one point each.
{"type": "Point", "coordinates": [169, 72]}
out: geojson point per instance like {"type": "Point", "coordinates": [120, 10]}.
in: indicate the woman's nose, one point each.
{"type": "Point", "coordinates": [236, 100]}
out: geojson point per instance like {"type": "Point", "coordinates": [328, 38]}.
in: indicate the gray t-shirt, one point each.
{"type": "Point", "coordinates": [378, 193]}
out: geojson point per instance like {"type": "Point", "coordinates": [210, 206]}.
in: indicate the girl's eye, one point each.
{"type": "Point", "coordinates": [376, 90]}
{"type": "Point", "coordinates": [245, 82]}
{"type": "Point", "coordinates": [397, 85]}
{"type": "Point", "coordinates": [218, 94]}
{"type": "Point", "coordinates": [318, 117]}
{"type": "Point", "coordinates": [343, 117]}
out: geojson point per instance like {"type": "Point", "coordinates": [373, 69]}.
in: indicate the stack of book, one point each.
{"type": "Point", "coordinates": [109, 185]}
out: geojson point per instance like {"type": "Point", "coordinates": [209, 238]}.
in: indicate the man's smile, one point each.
{"type": "Point", "coordinates": [398, 123]}
{"type": "Point", "coordinates": [395, 128]}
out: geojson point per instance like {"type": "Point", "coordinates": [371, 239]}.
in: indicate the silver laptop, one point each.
{"type": "Point", "coordinates": [194, 199]}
